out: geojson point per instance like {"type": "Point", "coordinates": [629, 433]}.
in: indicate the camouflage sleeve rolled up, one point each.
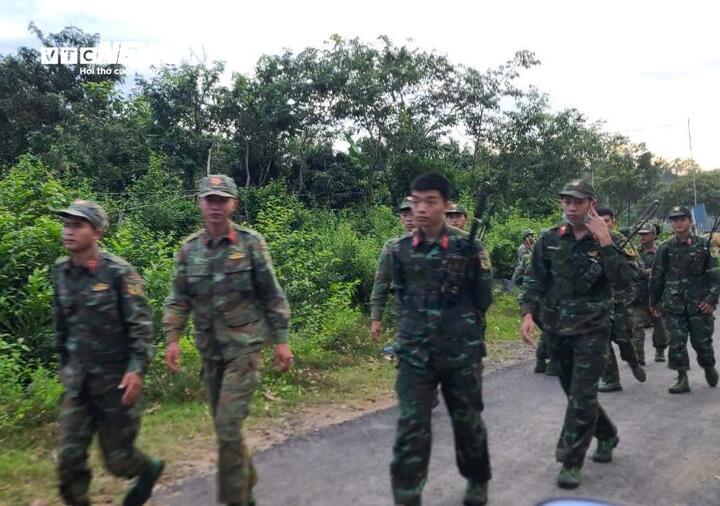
{"type": "Point", "coordinates": [483, 288]}
{"type": "Point", "coordinates": [713, 274]}
{"type": "Point", "coordinates": [138, 321]}
{"type": "Point", "coordinates": [535, 280]}
{"type": "Point", "coordinates": [620, 267]}
{"type": "Point", "coordinates": [61, 330]}
{"type": "Point", "coordinates": [269, 292]}
{"type": "Point", "coordinates": [520, 268]}
{"type": "Point", "coordinates": [383, 282]}
{"type": "Point", "coordinates": [178, 303]}
{"type": "Point", "coordinates": [657, 277]}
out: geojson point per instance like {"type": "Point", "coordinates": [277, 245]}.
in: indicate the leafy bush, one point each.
{"type": "Point", "coordinates": [163, 385]}
{"type": "Point", "coordinates": [29, 244]}
{"type": "Point", "coordinates": [505, 236]}
{"type": "Point", "coordinates": [158, 201]}
{"type": "Point", "coordinates": [30, 392]}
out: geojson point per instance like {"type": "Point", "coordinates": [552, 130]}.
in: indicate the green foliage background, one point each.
{"type": "Point", "coordinates": [395, 110]}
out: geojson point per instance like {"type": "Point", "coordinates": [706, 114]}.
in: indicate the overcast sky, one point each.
{"type": "Point", "coordinates": [642, 67]}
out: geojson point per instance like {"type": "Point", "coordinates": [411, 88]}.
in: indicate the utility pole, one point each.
{"type": "Point", "coordinates": [692, 159]}
{"type": "Point", "coordinates": [209, 158]}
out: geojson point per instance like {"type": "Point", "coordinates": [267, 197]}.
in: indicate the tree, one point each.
{"type": "Point", "coordinates": [682, 193]}
{"type": "Point", "coordinates": [534, 151]}
{"type": "Point", "coordinates": [478, 96]}
{"type": "Point", "coordinates": [626, 177]}
{"type": "Point", "coordinates": [396, 97]}
{"type": "Point", "coordinates": [184, 103]}
{"type": "Point", "coordinates": [37, 98]}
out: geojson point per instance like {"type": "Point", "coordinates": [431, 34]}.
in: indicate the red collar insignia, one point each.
{"type": "Point", "coordinates": [445, 242]}
{"type": "Point", "coordinates": [418, 238]}
{"type": "Point", "coordinates": [231, 236]}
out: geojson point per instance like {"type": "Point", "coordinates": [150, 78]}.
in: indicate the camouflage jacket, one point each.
{"type": "Point", "coordinates": [383, 285]}
{"type": "Point", "coordinates": [442, 294]}
{"type": "Point", "coordinates": [522, 252]}
{"type": "Point", "coordinates": [569, 284]}
{"type": "Point", "coordinates": [624, 294]}
{"type": "Point", "coordinates": [683, 276]}
{"type": "Point", "coordinates": [642, 287]}
{"type": "Point", "coordinates": [522, 265]}
{"type": "Point", "coordinates": [230, 288]}
{"type": "Point", "coordinates": [103, 325]}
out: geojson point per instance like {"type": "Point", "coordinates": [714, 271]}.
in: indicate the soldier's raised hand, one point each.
{"type": "Point", "coordinates": [597, 227]}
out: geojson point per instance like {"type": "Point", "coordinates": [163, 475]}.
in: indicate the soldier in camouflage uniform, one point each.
{"type": "Point", "coordinates": [406, 215]}
{"type": "Point", "coordinates": [684, 285]}
{"type": "Point", "coordinates": [622, 316]}
{"type": "Point", "coordinates": [456, 216]}
{"type": "Point", "coordinates": [443, 284]}
{"type": "Point", "coordinates": [383, 284]}
{"type": "Point", "coordinates": [569, 286]}
{"type": "Point", "coordinates": [103, 334]}
{"type": "Point", "coordinates": [543, 364]}
{"type": "Point", "coordinates": [224, 277]}
{"type": "Point", "coordinates": [523, 255]}
{"type": "Point", "coordinates": [641, 308]}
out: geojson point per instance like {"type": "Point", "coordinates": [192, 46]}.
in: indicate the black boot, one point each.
{"type": "Point", "coordinates": [141, 490]}
{"type": "Point", "coordinates": [682, 385]}
{"type": "Point", "coordinates": [711, 375]}
{"type": "Point", "coordinates": [639, 372]}
{"type": "Point", "coordinates": [552, 369]}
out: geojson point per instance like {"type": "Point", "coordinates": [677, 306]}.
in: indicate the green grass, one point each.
{"type": "Point", "coordinates": [182, 431]}
{"type": "Point", "coordinates": [503, 318]}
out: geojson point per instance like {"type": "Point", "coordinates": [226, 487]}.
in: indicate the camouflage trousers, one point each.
{"type": "Point", "coordinates": [230, 386]}
{"type": "Point", "coordinates": [416, 390]}
{"type": "Point", "coordinates": [581, 360]}
{"type": "Point", "coordinates": [620, 334]}
{"type": "Point", "coordinates": [541, 352]}
{"type": "Point", "coordinates": [700, 329]}
{"type": "Point", "coordinates": [641, 318]}
{"type": "Point", "coordinates": [97, 408]}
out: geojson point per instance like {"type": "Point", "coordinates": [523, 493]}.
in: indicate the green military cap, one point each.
{"type": "Point", "coordinates": [579, 189]}
{"type": "Point", "coordinates": [217, 184]}
{"type": "Point", "coordinates": [527, 232]}
{"type": "Point", "coordinates": [86, 210]}
{"type": "Point", "coordinates": [405, 204]}
{"type": "Point", "coordinates": [648, 228]}
{"type": "Point", "coordinates": [457, 209]}
{"type": "Point", "coordinates": [679, 211]}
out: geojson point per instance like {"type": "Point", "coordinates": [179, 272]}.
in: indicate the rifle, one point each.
{"type": "Point", "coordinates": [485, 227]}
{"type": "Point", "coordinates": [480, 201]}
{"type": "Point", "coordinates": [456, 270]}
{"type": "Point", "coordinates": [713, 230]}
{"type": "Point", "coordinates": [644, 218]}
